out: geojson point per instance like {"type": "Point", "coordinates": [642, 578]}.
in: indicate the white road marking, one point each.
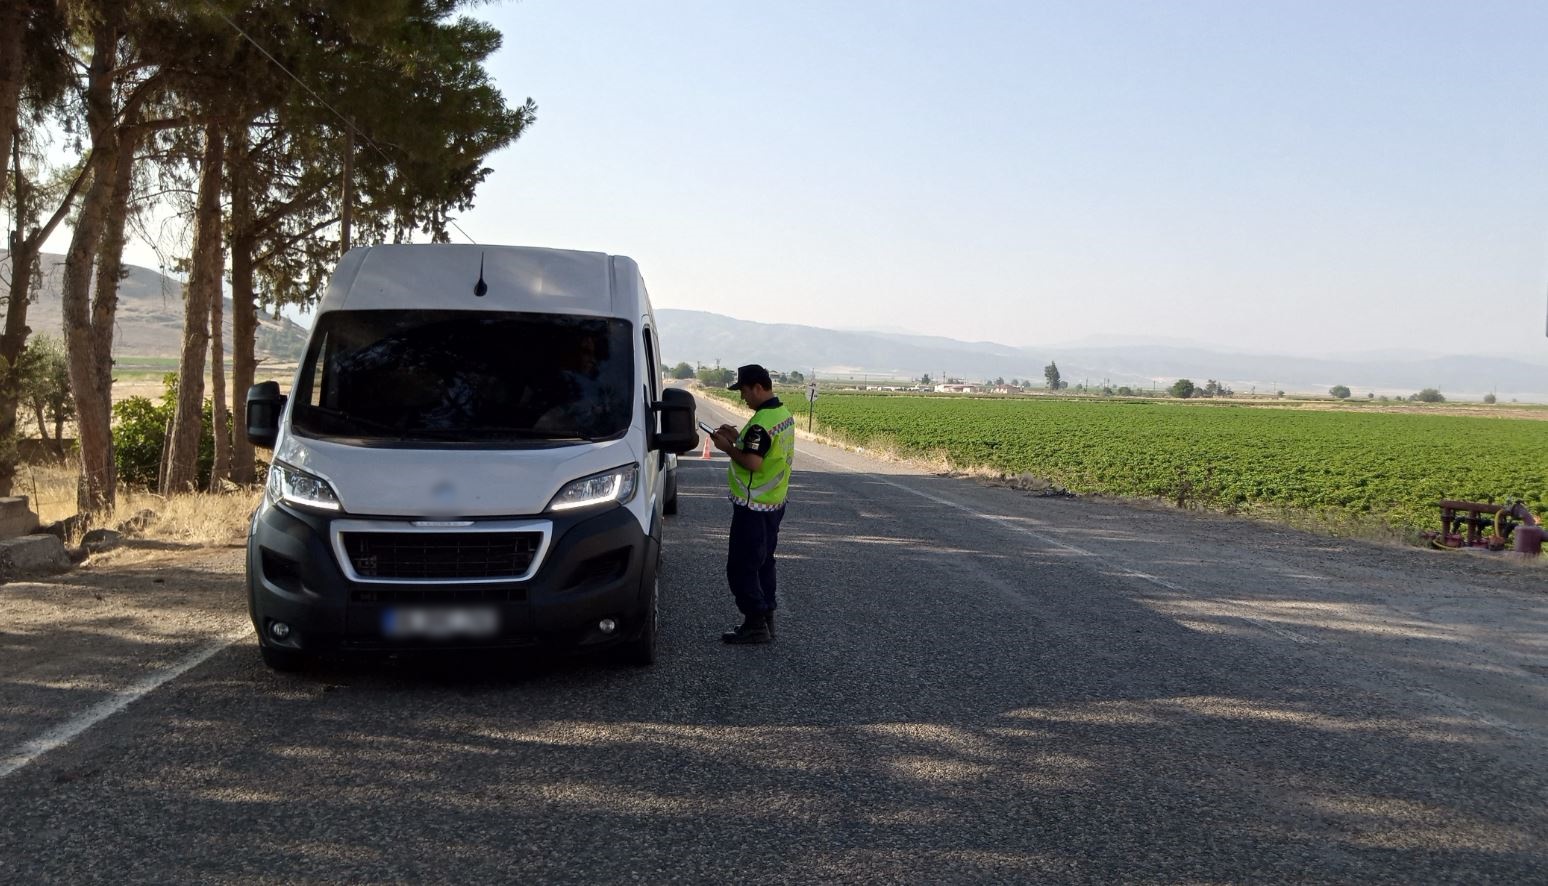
{"type": "Point", "coordinates": [1445, 701]}
{"type": "Point", "coordinates": [1125, 571]}
{"type": "Point", "coordinates": [66, 732]}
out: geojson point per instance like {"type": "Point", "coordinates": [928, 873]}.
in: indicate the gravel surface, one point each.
{"type": "Point", "coordinates": [971, 684]}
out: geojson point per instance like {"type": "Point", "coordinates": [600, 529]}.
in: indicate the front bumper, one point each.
{"type": "Point", "coordinates": [599, 565]}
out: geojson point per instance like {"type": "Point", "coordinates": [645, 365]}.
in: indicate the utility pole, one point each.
{"type": "Point", "coordinates": [347, 211]}
{"type": "Point", "coordinates": [811, 400]}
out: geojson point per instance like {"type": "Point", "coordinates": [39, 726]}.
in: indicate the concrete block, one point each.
{"type": "Point", "coordinates": [65, 528]}
{"type": "Point", "coordinates": [16, 517]}
{"type": "Point", "coordinates": [99, 540]}
{"type": "Point", "coordinates": [32, 555]}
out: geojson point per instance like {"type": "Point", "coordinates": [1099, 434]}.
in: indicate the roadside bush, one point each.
{"type": "Point", "coordinates": [140, 427]}
{"type": "Point", "coordinates": [716, 376]}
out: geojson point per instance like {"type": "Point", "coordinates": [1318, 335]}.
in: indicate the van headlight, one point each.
{"type": "Point", "coordinates": [616, 485]}
{"type": "Point", "coordinates": [294, 486]}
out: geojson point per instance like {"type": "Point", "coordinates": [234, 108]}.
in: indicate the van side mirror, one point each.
{"type": "Point", "coordinates": [678, 433]}
{"type": "Point", "coordinates": [264, 405]}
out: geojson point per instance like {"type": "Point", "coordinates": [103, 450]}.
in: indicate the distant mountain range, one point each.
{"type": "Point", "coordinates": [150, 324]}
{"type": "Point", "coordinates": [703, 337]}
{"type": "Point", "coordinates": [150, 315]}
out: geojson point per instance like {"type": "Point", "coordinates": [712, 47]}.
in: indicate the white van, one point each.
{"type": "Point", "coordinates": [475, 452]}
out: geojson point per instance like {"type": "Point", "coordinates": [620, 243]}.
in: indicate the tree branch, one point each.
{"type": "Point", "coordinates": [278, 211]}
{"type": "Point", "coordinates": [281, 247]}
{"type": "Point", "coordinates": [141, 93]}
{"type": "Point", "coordinates": [170, 123]}
{"type": "Point", "coordinates": [43, 233]}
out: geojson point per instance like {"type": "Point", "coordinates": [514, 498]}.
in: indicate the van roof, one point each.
{"type": "Point", "coordinates": [516, 278]}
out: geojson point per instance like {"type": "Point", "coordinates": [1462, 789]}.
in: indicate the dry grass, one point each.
{"type": "Point", "coordinates": [201, 519]}
{"type": "Point", "coordinates": [49, 488]}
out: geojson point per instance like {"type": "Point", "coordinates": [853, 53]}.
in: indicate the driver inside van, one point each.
{"type": "Point", "coordinates": [580, 400]}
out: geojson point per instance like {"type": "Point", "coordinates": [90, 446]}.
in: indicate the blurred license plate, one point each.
{"type": "Point", "coordinates": [441, 622]}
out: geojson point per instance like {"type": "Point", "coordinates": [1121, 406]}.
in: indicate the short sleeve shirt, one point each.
{"type": "Point", "coordinates": [757, 440]}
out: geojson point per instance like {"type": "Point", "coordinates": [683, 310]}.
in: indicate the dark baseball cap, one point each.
{"type": "Point", "coordinates": [751, 374]}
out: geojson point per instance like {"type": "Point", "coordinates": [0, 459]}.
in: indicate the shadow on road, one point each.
{"type": "Point", "coordinates": [947, 702]}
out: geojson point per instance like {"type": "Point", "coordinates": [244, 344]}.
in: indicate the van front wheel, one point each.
{"type": "Point", "coordinates": [284, 660]}
{"type": "Point", "coordinates": [641, 651]}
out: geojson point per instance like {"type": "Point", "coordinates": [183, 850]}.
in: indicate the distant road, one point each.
{"type": "Point", "coordinates": [970, 684]}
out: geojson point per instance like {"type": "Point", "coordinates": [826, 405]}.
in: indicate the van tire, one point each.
{"type": "Point", "coordinates": [641, 651]}
{"type": "Point", "coordinates": [286, 661]}
{"type": "Point", "coordinates": [669, 502]}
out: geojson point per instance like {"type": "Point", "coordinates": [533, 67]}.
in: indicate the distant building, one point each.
{"type": "Point", "coordinates": [958, 389]}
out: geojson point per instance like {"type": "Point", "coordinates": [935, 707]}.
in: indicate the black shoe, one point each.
{"type": "Point", "coordinates": [753, 629]}
{"type": "Point", "coordinates": [747, 622]}
{"type": "Point", "coordinates": [768, 621]}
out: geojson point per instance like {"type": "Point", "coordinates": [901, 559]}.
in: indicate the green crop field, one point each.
{"type": "Point", "coordinates": [1382, 467]}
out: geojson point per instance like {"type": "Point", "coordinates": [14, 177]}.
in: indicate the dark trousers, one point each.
{"type": "Point", "coordinates": [750, 560]}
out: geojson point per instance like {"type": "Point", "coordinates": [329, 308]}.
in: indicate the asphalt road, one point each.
{"type": "Point", "coordinates": [971, 684]}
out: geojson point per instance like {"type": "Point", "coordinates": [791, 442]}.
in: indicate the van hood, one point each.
{"type": "Point", "coordinates": [449, 483]}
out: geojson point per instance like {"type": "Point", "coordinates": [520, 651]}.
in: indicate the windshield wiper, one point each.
{"type": "Point", "coordinates": [362, 423]}
{"type": "Point", "coordinates": [486, 432]}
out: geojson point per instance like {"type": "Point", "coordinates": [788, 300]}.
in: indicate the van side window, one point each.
{"type": "Point", "coordinates": [317, 374]}
{"type": "Point", "coordinates": [650, 364]}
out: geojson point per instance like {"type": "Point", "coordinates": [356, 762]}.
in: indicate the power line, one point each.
{"type": "Point", "coordinates": [299, 82]}
{"type": "Point", "coordinates": [454, 224]}
{"type": "Point", "coordinates": [309, 91]}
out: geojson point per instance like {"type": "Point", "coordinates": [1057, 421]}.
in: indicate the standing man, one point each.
{"type": "Point", "coordinates": [759, 475]}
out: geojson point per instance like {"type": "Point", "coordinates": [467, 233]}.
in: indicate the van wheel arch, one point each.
{"type": "Point", "coordinates": [640, 651]}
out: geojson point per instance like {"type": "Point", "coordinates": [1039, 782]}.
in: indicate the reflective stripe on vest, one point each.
{"type": "Point", "coordinates": [765, 489]}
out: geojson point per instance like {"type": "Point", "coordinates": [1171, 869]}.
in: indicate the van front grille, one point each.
{"type": "Point", "coordinates": [441, 556]}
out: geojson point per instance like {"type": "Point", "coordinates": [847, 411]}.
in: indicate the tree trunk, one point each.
{"type": "Point", "coordinates": [347, 211]}
{"type": "Point", "coordinates": [166, 456]}
{"type": "Point", "coordinates": [25, 247]}
{"type": "Point", "coordinates": [13, 341]}
{"type": "Point", "coordinates": [220, 472]}
{"type": "Point", "coordinates": [104, 302]}
{"type": "Point", "coordinates": [203, 285]}
{"type": "Point", "coordinates": [93, 406]}
{"type": "Point", "coordinates": [244, 313]}
{"type": "Point", "coordinates": [13, 26]}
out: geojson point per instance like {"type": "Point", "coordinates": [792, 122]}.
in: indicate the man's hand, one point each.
{"type": "Point", "coordinates": [725, 438]}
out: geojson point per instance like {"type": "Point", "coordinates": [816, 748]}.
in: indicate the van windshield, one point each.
{"type": "Point", "coordinates": [465, 376]}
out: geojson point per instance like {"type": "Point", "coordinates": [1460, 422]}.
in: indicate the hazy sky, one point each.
{"type": "Point", "coordinates": [1305, 177]}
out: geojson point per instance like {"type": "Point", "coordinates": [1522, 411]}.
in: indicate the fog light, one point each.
{"type": "Point", "coordinates": [279, 630]}
{"type": "Point", "coordinates": [607, 625]}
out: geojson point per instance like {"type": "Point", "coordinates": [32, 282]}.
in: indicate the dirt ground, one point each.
{"type": "Point", "coordinates": [70, 640]}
